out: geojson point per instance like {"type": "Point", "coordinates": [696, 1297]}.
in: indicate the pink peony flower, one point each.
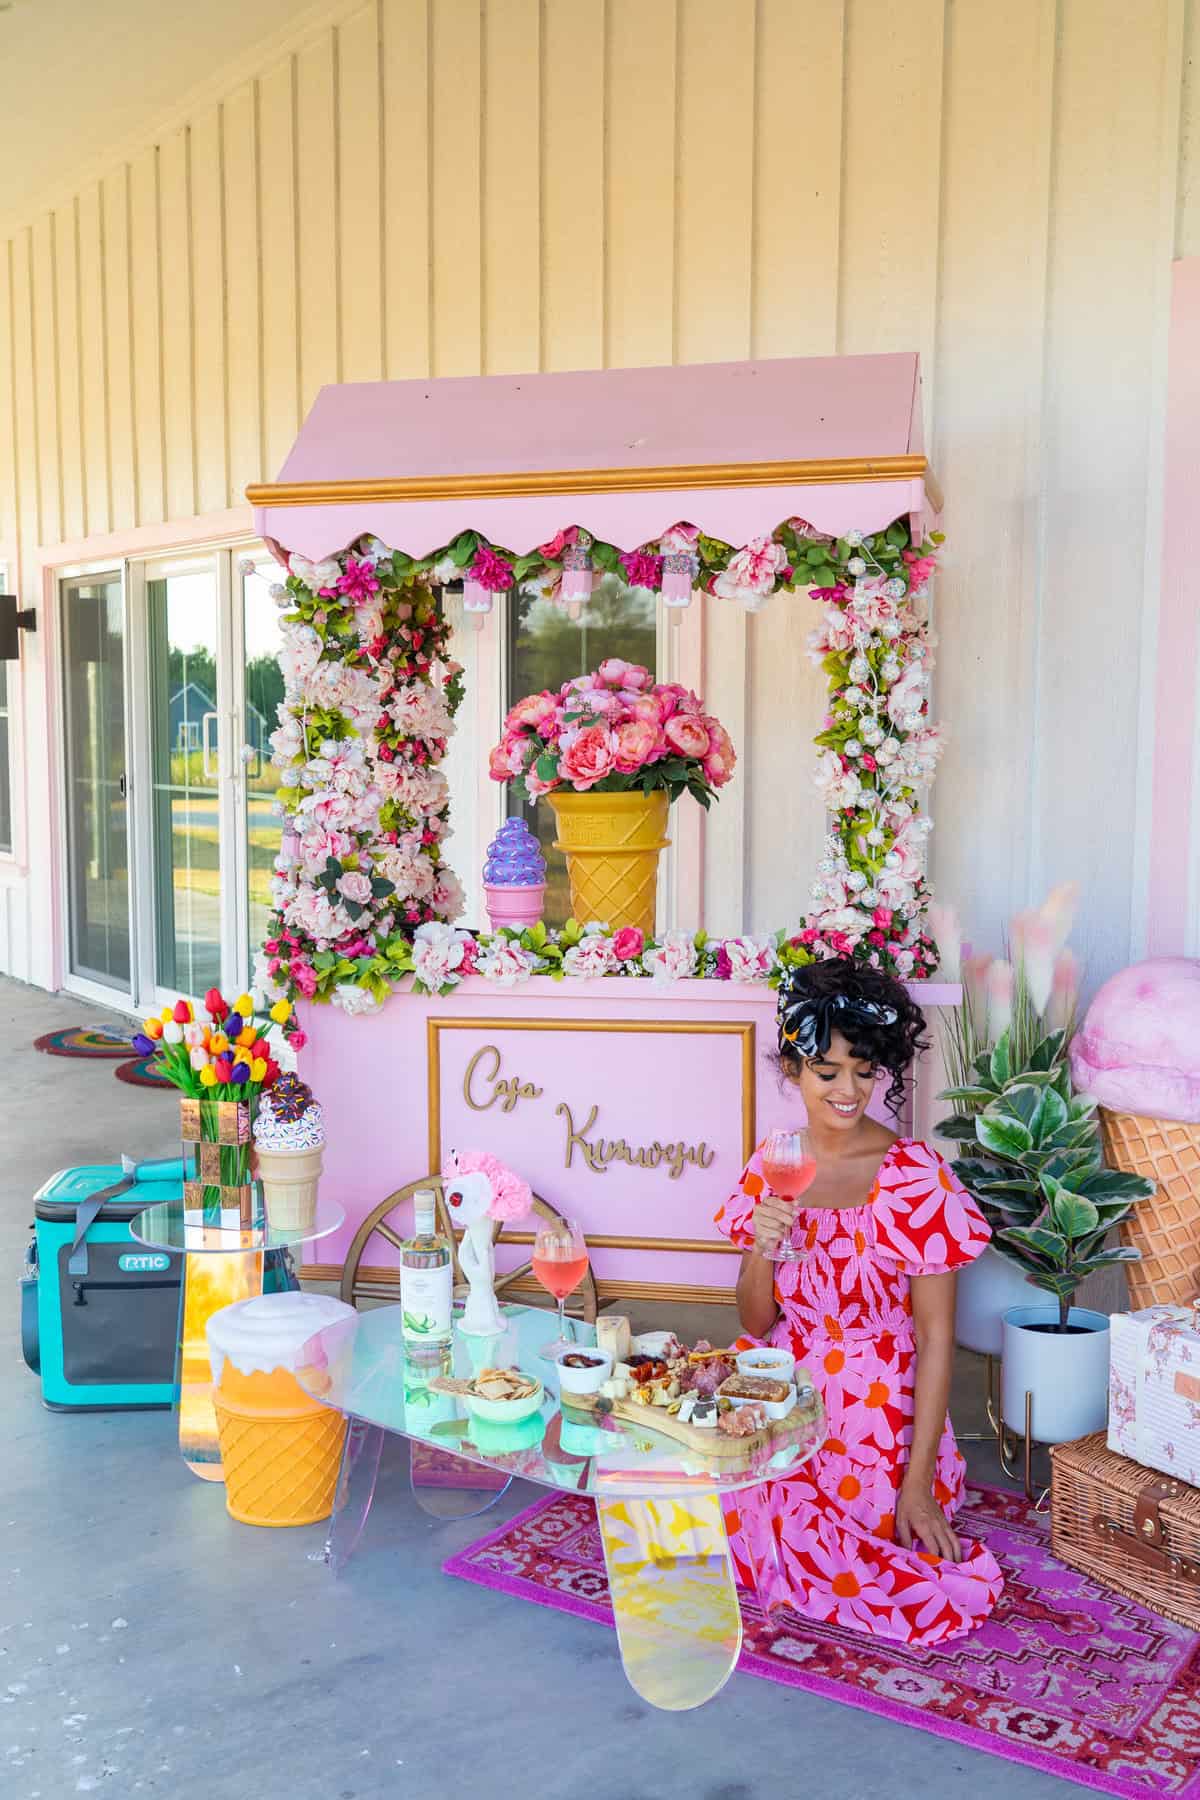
{"type": "Point", "coordinates": [491, 570]}
{"type": "Point", "coordinates": [721, 759]}
{"type": "Point", "coordinates": [752, 571]}
{"type": "Point", "coordinates": [882, 917]}
{"type": "Point", "coordinates": [635, 744]}
{"type": "Point", "coordinates": [588, 759]}
{"type": "Point", "coordinates": [592, 958]}
{"type": "Point", "coordinates": [304, 976]}
{"type": "Point", "coordinates": [358, 581]}
{"type": "Point", "coordinates": [687, 735]}
{"type": "Point", "coordinates": [437, 954]}
{"type": "Point", "coordinates": [531, 713]}
{"type": "Point", "coordinates": [562, 540]}
{"type": "Point", "coordinates": [628, 943]}
{"type": "Point", "coordinates": [507, 964]}
{"type": "Point", "coordinates": [355, 886]}
{"type": "Point", "coordinates": [642, 569]}
{"type": "Point", "coordinates": [748, 958]}
{"type": "Point", "coordinates": [674, 959]}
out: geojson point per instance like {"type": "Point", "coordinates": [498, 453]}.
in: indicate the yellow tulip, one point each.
{"type": "Point", "coordinates": [244, 1005]}
{"type": "Point", "coordinates": [281, 1011]}
{"type": "Point", "coordinates": [208, 1076]}
{"type": "Point", "coordinates": [218, 1042]}
{"type": "Point", "coordinates": [258, 1068]}
{"type": "Point", "coordinates": [167, 1015]}
{"type": "Point", "coordinates": [246, 1037]}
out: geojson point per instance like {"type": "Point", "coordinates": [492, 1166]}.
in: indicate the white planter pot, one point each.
{"type": "Point", "coordinates": [986, 1289]}
{"type": "Point", "coordinates": [1067, 1374]}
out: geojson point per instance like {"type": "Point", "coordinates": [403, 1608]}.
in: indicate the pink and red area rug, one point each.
{"type": "Point", "coordinates": [1065, 1675]}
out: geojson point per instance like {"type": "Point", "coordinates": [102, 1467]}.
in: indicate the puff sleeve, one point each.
{"type": "Point", "coordinates": [735, 1218]}
{"type": "Point", "coordinates": [924, 1218]}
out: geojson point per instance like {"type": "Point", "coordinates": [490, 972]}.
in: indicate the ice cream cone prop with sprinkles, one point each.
{"type": "Point", "coordinates": [289, 1141]}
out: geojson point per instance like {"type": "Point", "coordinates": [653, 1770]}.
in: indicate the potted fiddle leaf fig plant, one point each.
{"type": "Point", "coordinates": [1030, 1152]}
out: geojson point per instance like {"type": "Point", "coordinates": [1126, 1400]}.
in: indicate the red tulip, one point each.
{"type": "Point", "coordinates": [272, 1074]}
{"type": "Point", "coordinates": [260, 1047]}
{"type": "Point", "coordinates": [214, 1005]}
{"type": "Point", "coordinates": [223, 1068]}
{"type": "Point", "coordinates": [183, 1013]}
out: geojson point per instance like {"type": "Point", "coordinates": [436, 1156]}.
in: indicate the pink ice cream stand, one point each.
{"type": "Point", "coordinates": [627, 1102]}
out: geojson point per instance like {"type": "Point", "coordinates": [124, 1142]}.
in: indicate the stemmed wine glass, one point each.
{"type": "Point", "coordinates": [560, 1262]}
{"type": "Point", "coordinates": [789, 1168]}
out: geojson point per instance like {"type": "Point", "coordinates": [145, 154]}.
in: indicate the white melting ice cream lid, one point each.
{"type": "Point", "coordinates": [273, 1331]}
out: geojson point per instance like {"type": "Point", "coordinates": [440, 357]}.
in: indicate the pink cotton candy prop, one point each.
{"type": "Point", "coordinates": [511, 1197]}
{"type": "Point", "coordinates": [1139, 1047]}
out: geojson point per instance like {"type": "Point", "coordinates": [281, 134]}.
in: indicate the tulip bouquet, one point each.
{"type": "Point", "coordinates": [612, 731]}
{"type": "Point", "coordinates": [220, 1066]}
{"type": "Point", "coordinates": [226, 1058]}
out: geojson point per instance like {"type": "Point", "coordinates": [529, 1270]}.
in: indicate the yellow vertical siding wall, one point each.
{"type": "Point", "coordinates": [460, 186]}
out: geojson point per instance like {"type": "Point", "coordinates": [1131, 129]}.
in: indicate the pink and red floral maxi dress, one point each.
{"type": "Point", "coordinates": [822, 1541]}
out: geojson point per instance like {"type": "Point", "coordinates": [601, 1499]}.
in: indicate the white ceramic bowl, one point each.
{"type": "Point", "coordinates": [589, 1380]}
{"type": "Point", "coordinates": [778, 1365]}
{"type": "Point", "coordinates": [774, 1409]}
{"type": "Point", "coordinates": [504, 1412]}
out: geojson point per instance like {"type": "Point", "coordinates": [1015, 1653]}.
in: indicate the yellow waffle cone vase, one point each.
{"type": "Point", "coordinates": [612, 844]}
{"type": "Point", "coordinates": [1166, 1226]}
{"type": "Point", "coordinates": [280, 1449]}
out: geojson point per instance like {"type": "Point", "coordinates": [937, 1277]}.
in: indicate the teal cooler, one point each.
{"type": "Point", "coordinates": [100, 1311]}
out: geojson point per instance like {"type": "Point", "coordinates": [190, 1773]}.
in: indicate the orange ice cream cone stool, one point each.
{"type": "Point", "coordinates": [280, 1448]}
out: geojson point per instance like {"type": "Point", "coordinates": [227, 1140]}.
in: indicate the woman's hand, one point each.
{"type": "Point", "coordinates": [918, 1515]}
{"type": "Point", "coordinates": [773, 1220]}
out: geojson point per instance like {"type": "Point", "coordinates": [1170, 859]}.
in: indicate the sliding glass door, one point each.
{"type": "Point", "coordinates": [185, 747]}
{"type": "Point", "coordinates": [184, 795]}
{"type": "Point", "coordinates": [93, 643]}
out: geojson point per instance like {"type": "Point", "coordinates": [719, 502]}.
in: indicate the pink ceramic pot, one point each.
{"type": "Point", "coordinates": [515, 907]}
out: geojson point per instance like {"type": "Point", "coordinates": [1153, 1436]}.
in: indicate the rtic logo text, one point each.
{"type": "Point", "coordinates": [145, 1262]}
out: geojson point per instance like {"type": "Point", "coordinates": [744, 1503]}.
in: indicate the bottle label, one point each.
{"type": "Point", "coordinates": [426, 1299]}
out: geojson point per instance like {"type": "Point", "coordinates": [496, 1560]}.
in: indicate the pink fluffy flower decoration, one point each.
{"type": "Point", "coordinates": [491, 570]}
{"type": "Point", "coordinates": [642, 569]}
{"type": "Point", "coordinates": [512, 1197]}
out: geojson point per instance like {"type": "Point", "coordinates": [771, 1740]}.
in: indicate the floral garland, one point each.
{"type": "Point", "coordinates": [879, 746]}
{"type": "Point", "coordinates": [442, 956]}
{"type": "Point", "coordinates": [370, 697]}
{"type": "Point", "coordinates": [369, 701]}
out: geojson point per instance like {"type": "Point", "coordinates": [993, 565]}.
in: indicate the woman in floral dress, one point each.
{"type": "Point", "coordinates": [861, 1535]}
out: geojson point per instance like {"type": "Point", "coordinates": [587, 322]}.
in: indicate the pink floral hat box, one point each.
{"type": "Point", "coordinates": [1154, 1389]}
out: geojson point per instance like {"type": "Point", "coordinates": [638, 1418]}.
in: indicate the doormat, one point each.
{"type": "Point", "coordinates": [1065, 1676]}
{"type": "Point", "coordinates": [87, 1040]}
{"type": "Point", "coordinates": [139, 1074]}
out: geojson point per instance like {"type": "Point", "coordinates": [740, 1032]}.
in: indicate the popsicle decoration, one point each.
{"type": "Point", "coordinates": [514, 877]}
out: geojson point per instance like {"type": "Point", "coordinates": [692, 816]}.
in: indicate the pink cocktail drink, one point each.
{"type": "Point", "coordinates": [558, 1275]}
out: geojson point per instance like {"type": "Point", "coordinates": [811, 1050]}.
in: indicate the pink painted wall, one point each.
{"type": "Point", "coordinates": [1171, 925]}
{"type": "Point", "coordinates": [372, 1076]}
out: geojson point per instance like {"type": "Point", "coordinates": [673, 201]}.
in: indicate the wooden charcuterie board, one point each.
{"type": "Point", "coordinates": [711, 1443]}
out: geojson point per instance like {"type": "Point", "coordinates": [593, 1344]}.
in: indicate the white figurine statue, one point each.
{"type": "Point", "coordinates": [479, 1192]}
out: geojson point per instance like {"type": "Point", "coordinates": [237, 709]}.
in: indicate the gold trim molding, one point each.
{"type": "Point", "coordinates": [685, 1293]}
{"type": "Point", "coordinates": [740, 1028]}
{"type": "Point", "coordinates": [515, 484]}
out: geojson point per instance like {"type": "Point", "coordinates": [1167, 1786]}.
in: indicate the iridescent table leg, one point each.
{"type": "Point", "coordinates": [209, 1282]}
{"type": "Point", "coordinates": [357, 1480]}
{"type": "Point", "coordinates": [449, 1487]}
{"type": "Point", "coordinates": [674, 1601]}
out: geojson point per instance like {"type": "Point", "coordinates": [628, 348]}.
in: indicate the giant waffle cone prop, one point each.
{"type": "Point", "coordinates": [612, 844]}
{"type": "Point", "coordinates": [279, 1448]}
{"type": "Point", "coordinates": [1166, 1227]}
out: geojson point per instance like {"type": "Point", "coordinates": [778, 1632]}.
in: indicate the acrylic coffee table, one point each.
{"type": "Point", "coordinates": [658, 1503]}
{"type": "Point", "coordinates": [221, 1264]}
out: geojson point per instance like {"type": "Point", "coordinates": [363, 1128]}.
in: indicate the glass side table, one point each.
{"type": "Point", "coordinates": [658, 1501]}
{"type": "Point", "coordinates": [221, 1264]}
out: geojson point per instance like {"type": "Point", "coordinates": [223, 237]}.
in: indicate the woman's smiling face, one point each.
{"type": "Point", "coordinates": [836, 1087]}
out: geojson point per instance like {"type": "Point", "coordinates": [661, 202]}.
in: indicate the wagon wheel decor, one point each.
{"type": "Point", "coordinates": [361, 1282]}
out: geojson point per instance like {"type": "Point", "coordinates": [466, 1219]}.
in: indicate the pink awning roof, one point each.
{"type": "Point", "coordinates": [732, 447]}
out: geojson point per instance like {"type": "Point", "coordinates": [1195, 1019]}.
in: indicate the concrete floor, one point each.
{"type": "Point", "coordinates": [150, 1645]}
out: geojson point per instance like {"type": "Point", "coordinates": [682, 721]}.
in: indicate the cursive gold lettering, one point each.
{"type": "Point", "coordinates": [598, 1154]}
{"type": "Point", "coordinates": [508, 1089]}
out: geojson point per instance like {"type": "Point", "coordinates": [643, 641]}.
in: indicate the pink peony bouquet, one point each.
{"type": "Point", "coordinates": [612, 731]}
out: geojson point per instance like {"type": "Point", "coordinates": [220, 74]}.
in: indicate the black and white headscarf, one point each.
{"type": "Point", "coordinates": [807, 1025]}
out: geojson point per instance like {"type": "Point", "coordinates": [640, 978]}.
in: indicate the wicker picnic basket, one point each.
{"type": "Point", "coordinates": [1134, 1530]}
{"type": "Point", "coordinates": [1166, 1227]}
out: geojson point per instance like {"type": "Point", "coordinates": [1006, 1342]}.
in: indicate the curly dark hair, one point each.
{"type": "Point", "coordinates": [888, 1047]}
